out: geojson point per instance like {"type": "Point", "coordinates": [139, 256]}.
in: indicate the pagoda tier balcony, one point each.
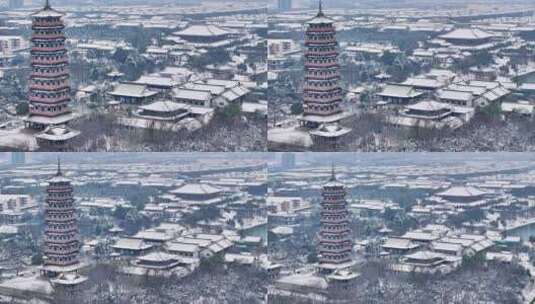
{"type": "Point", "coordinates": [322, 89]}
{"type": "Point", "coordinates": [335, 216]}
{"type": "Point", "coordinates": [345, 252]}
{"type": "Point", "coordinates": [63, 60]}
{"type": "Point", "coordinates": [61, 242]}
{"type": "Point", "coordinates": [339, 230]}
{"type": "Point", "coordinates": [333, 191]}
{"type": "Point", "coordinates": [60, 196]}
{"type": "Point", "coordinates": [322, 44]}
{"type": "Point", "coordinates": [55, 220]}
{"type": "Point", "coordinates": [53, 239]}
{"type": "Point", "coordinates": [48, 66]}
{"type": "Point", "coordinates": [323, 30]}
{"type": "Point", "coordinates": [322, 101]}
{"type": "Point", "coordinates": [321, 53]}
{"type": "Point", "coordinates": [49, 74]}
{"type": "Point", "coordinates": [50, 252]}
{"type": "Point", "coordinates": [43, 25]}
{"type": "Point", "coordinates": [48, 37]}
{"type": "Point", "coordinates": [48, 49]}
{"type": "Point", "coordinates": [51, 208]}
{"type": "Point", "coordinates": [332, 76]}
{"type": "Point", "coordinates": [49, 113]}
{"type": "Point", "coordinates": [60, 206]}
{"type": "Point", "coordinates": [51, 100]}
{"type": "Point", "coordinates": [334, 208]}
{"type": "Point", "coordinates": [340, 237]}
{"type": "Point", "coordinates": [334, 195]}
{"type": "Point", "coordinates": [64, 187]}
{"type": "Point", "coordinates": [322, 113]}
{"type": "Point", "coordinates": [57, 223]}
{"type": "Point", "coordinates": [51, 88]}
{"type": "Point", "coordinates": [66, 211]}
{"type": "Point", "coordinates": [335, 256]}
{"type": "Point", "coordinates": [339, 211]}
{"type": "Point", "coordinates": [60, 200]}
{"type": "Point", "coordinates": [338, 199]}
{"type": "Point", "coordinates": [60, 192]}
{"type": "Point", "coordinates": [334, 220]}
{"type": "Point", "coordinates": [346, 242]}
{"type": "Point", "coordinates": [61, 229]}
{"type": "Point", "coordinates": [321, 65]}
{"type": "Point", "coordinates": [320, 38]}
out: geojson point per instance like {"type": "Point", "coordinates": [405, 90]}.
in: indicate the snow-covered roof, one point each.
{"type": "Point", "coordinates": [54, 120]}
{"type": "Point", "coordinates": [132, 90]}
{"type": "Point", "coordinates": [57, 133]}
{"type": "Point", "coordinates": [207, 30]}
{"type": "Point", "coordinates": [164, 106]}
{"type": "Point", "coordinates": [400, 91]}
{"type": "Point", "coordinates": [424, 255]}
{"type": "Point", "coordinates": [462, 192]}
{"type": "Point", "coordinates": [191, 94]}
{"type": "Point", "coordinates": [156, 81]}
{"type": "Point", "coordinates": [442, 246]}
{"type": "Point", "coordinates": [428, 106]}
{"type": "Point", "coordinates": [454, 95]}
{"type": "Point", "coordinates": [517, 107]}
{"type": "Point", "coordinates": [420, 236]}
{"type": "Point", "coordinates": [158, 257]}
{"type": "Point", "coordinates": [330, 130]}
{"type": "Point", "coordinates": [196, 188]}
{"type": "Point", "coordinates": [467, 34]}
{"type": "Point", "coordinates": [131, 244]}
{"type": "Point", "coordinates": [181, 247]}
{"type": "Point", "coordinates": [424, 82]}
{"type": "Point", "coordinates": [306, 280]}
{"type": "Point", "coordinates": [397, 243]}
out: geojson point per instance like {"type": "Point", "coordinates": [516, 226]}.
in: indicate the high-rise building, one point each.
{"type": "Point", "coordinates": [18, 158]}
{"type": "Point", "coordinates": [14, 4]}
{"type": "Point", "coordinates": [61, 239]}
{"type": "Point", "coordinates": [49, 89]}
{"type": "Point", "coordinates": [334, 238]}
{"type": "Point", "coordinates": [285, 5]}
{"type": "Point", "coordinates": [288, 160]}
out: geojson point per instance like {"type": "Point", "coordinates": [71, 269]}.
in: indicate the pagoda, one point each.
{"type": "Point", "coordinates": [61, 239]}
{"type": "Point", "coordinates": [48, 89]}
{"type": "Point", "coordinates": [322, 94]}
{"type": "Point", "coordinates": [334, 238]}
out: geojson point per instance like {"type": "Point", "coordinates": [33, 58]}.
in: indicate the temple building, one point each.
{"type": "Point", "coordinates": [206, 36]}
{"type": "Point", "coordinates": [432, 114]}
{"type": "Point", "coordinates": [49, 89]}
{"type": "Point", "coordinates": [197, 193]}
{"type": "Point", "coordinates": [469, 39]}
{"type": "Point", "coordinates": [322, 94]}
{"type": "Point", "coordinates": [61, 239]}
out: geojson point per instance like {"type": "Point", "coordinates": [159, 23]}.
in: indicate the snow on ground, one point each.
{"type": "Point", "coordinates": [18, 139]}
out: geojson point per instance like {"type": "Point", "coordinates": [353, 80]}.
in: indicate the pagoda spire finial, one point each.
{"type": "Point", "coordinates": [333, 174]}
{"type": "Point", "coordinates": [59, 168]}
{"type": "Point", "coordinates": [320, 11]}
{"type": "Point", "coordinates": [47, 4]}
